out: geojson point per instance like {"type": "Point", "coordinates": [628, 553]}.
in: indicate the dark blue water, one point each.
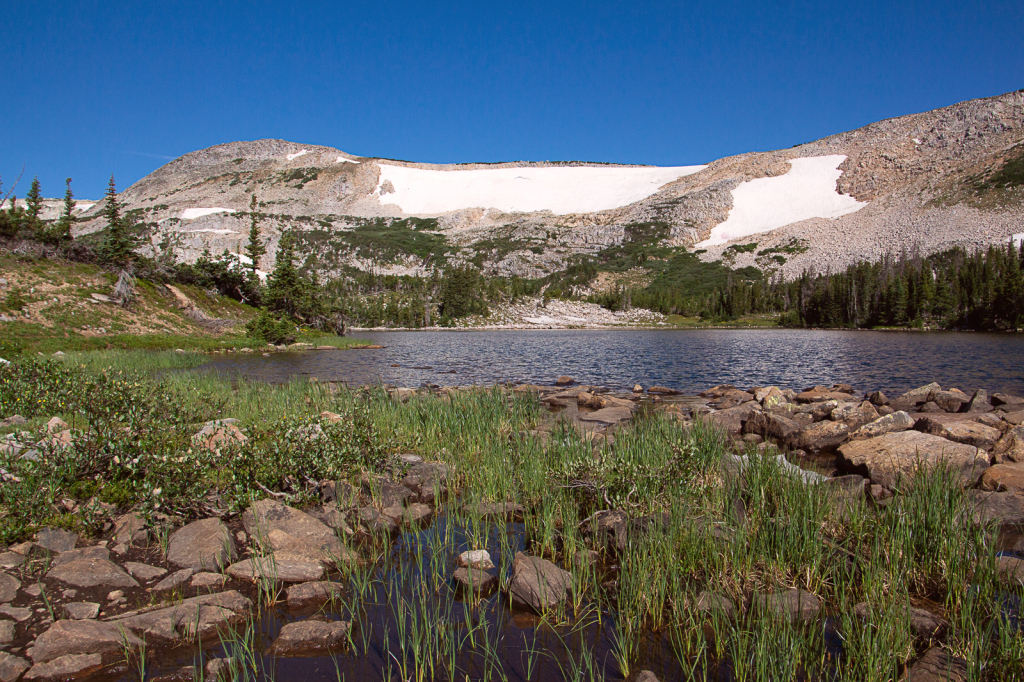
{"type": "Point", "coordinates": [684, 360]}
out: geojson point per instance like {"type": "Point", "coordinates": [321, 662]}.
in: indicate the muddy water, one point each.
{"type": "Point", "coordinates": [685, 360]}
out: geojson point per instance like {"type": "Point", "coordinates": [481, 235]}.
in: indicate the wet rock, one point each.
{"type": "Point", "coordinates": [887, 458]}
{"type": "Point", "coordinates": [938, 666]}
{"type": "Point", "coordinates": [77, 637]}
{"type": "Point", "coordinates": [959, 431]}
{"type": "Point", "coordinates": [769, 425]}
{"type": "Point", "coordinates": [174, 580]}
{"type": "Point", "coordinates": [201, 617]}
{"type": "Point", "coordinates": [310, 638]}
{"type": "Point", "coordinates": [711, 603]}
{"type": "Point", "coordinates": [312, 594]}
{"type": "Point", "coordinates": [204, 545]}
{"type": "Point", "coordinates": [341, 493]}
{"type": "Point", "coordinates": [429, 479]}
{"type": "Point", "coordinates": [1003, 478]}
{"type": "Point", "coordinates": [82, 610]}
{"type": "Point", "coordinates": [795, 605]}
{"type": "Point", "coordinates": [144, 572]}
{"type": "Point", "coordinates": [11, 667]}
{"type": "Point", "coordinates": [72, 667]}
{"type": "Point", "coordinates": [92, 573]}
{"type": "Point", "coordinates": [890, 423]}
{"type": "Point", "coordinates": [537, 583]}
{"type": "Point", "coordinates": [279, 569]}
{"type": "Point", "coordinates": [926, 624]}
{"type": "Point", "coordinates": [475, 558]}
{"type": "Point", "coordinates": [6, 632]}
{"type": "Point", "coordinates": [731, 419]}
{"type": "Point", "coordinates": [9, 587]}
{"type": "Point", "coordinates": [823, 435]}
{"type": "Point", "coordinates": [470, 579]}
{"type": "Point", "coordinates": [416, 514]}
{"type": "Point", "coordinates": [208, 581]}
{"type": "Point", "coordinates": [56, 540]}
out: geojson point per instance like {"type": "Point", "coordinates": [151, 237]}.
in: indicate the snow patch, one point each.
{"type": "Point", "coordinates": [808, 190]}
{"type": "Point", "coordinates": [342, 159]}
{"type": "Point", "coordinates": [1018, 239]}
{"type": "Point", "coordinates": [193, 213]}
{"type": "Point", "coordinates": [83, 206]}
{"type": "Point", "coordinates": [544, 319]}
{"type": "Point", "coordinates": [210, 231]}
{"type": "Point", "coordinates": [917, 141]}
{"type": "Point", "coordinates": [245, 260]}
{"type": "Point", "coordinates": [561, 190]}
{"type": "Point", "coordinates": [292, 157]}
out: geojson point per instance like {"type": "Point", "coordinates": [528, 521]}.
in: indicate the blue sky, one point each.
{"type": "Point", "coordinates": [92, 89]}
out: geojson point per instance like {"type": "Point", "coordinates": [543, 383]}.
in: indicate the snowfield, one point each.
{"type": "Point", "coordinates": [342, 159]}
{"type": "Point", "coordinates": [292, 157]}
{"type": "Point", "coordinates": [1018, 239]}
{"type": "Point", "coordinates": [193, 213]}
{"type": "Point", "coordinates": [561, 190]}
{"type": "Point", "coordinates": [808, 190]}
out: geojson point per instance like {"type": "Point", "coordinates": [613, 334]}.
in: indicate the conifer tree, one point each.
{"type": "Point", "coordinates": [34, 200]}
{"type": "Point", "coordinates": [119, 248]}
{"type": "Point", "coordinates": [255, 248]}
{"type": "Point", "coordinates": [285, 287]}
{"type": "Point", "coordinates": [62, 230]}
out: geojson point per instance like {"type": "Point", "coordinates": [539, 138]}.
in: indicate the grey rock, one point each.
{"type": "Point", "coordinates": [92, 573]}
{"type": "Point", "coordinates": [926, 624]}
{"type": "Point", "coordinates": [174, 580]}
{"type": "Point", "coordinates": [887, 458]}
{"type": "Point", "coordinates": [288, 530]}
{"type": "Point", "coordinates": [979, 402]}
{"type": "Point", "coordinates": [6, 631]}
{"type": "Point", "coordinates": [285, 570]}
{"type": "Point", "coordinates": [209, 581]}
{"type": "Point", "coordinates": [824, 435]}
{"type": "Point", "coordinates": [201, 617]}
{"type": "Point", "coordinates": [476, 558]}
{"type": "Point", "coordinates": [19, 614]}
{"type": "Point", "coordinates": [144, 572]}
{"type": "Point", "coordinates": [312, 594]}
{"type": "Point", "coordinates": [9, 587]}
{"type": "Point", "coordinates": [71, 667]}
{"type": "Point", "coordinates": [469, 579]}
{"type": "Point", "coordinates": [204, 545]}
{"type": "Point", "coordinates": [11, 559]}
{"type": "Point", "coordinates": [56, 540]}
{"type": "Point", "coordinates": [79, 554]}
{"type": "Point", "coordinates": [131, 529]}
{"type": "Point", "coordinates": [537, 583]}
{"type": "Point", "coordinates": [310, 638]}
{"type": "Point", "coordinates": [959, 431]}
{"type": "Point", "coordinates": [710, 603]}
{"type": "Point", "coordinates": [77, 637]}
{"type": "Point", "coordinates": [82, 610]}
{"type": "Point", "coordinates": [341, 493]}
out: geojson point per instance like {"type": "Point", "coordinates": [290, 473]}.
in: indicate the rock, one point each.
{"type": "Point", "coordinates": [341, 493]}
{"type": "Point", "coordinates": [219, 434]}
{"type": "Point", "coordinates": [376, 522]}
{"type": "Point", "coordinates": [292, 531]}
{"type": "Point", "coordinates": [717, 391]}
{"type": "Point", "coordinates": [890, 423]}
{"type": "Point", "coordinates": [926, 624]}
{"type": "Point", "coordinates": [507, 511]}
{"type": "Point", "coordinates": [710, 603]}
{"type": "Point", "coordinates": [1004, 478]}
{"type": "Point", "coordinates": [609, 529]}
{"type": "Point", "coordinates": [794, 605]}
{"type": "Point", "coordinates": [1015, 418]}
{"type": "Point", "coordinates": [56, 425]}
{"type": "Point", "coordinates": [6, 632]}
{"type": "Point", "coordinates": [564, 381]}
{"type": "Point", "coordinates": [938, 666]}
{"type": "Point", "coordinates": [732, 399]}
{"type": "Point", "coordinates": [661, 390]}
{"type": "Point", "coordinates": [1010, 570]}
{"type": "Point", "coordinates": [637, 388]}
{"type": "Point", "coordinates": [144, 572]}
{"type": "Point", "coordinates": [979, 402]}
{"type": "Point", "coordinates": [877, 398]}
{"type": "Point", "coordinates": [646, 676]}
{"type": "Point", "coordinates": [731, 419]}
{"type": "Point", "coordinates": [886, 458]}
{"type": "Point", "coordinates": [921, 394]}
{"type": "Point", "coordinates": [219, 669]}
{"type": "Point", "coordinates": [854, 415]}
{"type": "Point", "coordinates": [209, 581]}
{"type": "Point", "coordinates": [94, 552]}
{"type": "Point", "coordinates": [71, 667]}
{"type": "Point", "coordinates": [131, 529]}
{"type": "Point", "coordinates": [1010, 448]}
{"type": "Point", "coordinates": [820, 394]}
{"type": "Point", "coordinates": [429, 479]}
{"type": "Point", "coordinates": [56, 540]}
{"type": "Point", "coordinates": [11, 559]}
{"type": "Point", "coordinates": [332, 517]}
{"type": "Point", "coordinates": [959, 431]}
{"type": "Point", "coordinates": [851, 486]}
{"type": "Point", "coordinates": [1005, 400]}
{"type": "Point", "coordinates": [885, 410]}
{"type": "Point", "coordinates": [310, 638]}
{"type": "Point", "coordinates": [608, 415]}
{"type": "Point", "coordinates": [930, 408]}
{"type": "Point", "coordinates": [17, 613]}
{"type": "Point", "coordinates": [92, 573]}
{"type": "Point", "coordinates": [768, 425]}
{"type": "Point", "coordinates": [279, 569]}
{"type": "Point", "coordinates": [77, 637]}
{"type": "Point", "coordinates": [537, 583]}
{"type": "Point", "coordinates": [476, 558]}
{"type": "Point", "coordinates": [820, 436]}
{"type": "Point", "coordinates": [385, 493]}
{"type": "Point", "coordinates": [201, 617]}
{"type": "Point", "coordinates": [204, 545]}
{"type": "Point", "coordinates": [82, 610]}
{"type": "Point", "coordinates": [1002, 508]}
{"type": "Point", "coordinates": [311, 594]}
{"type": "Point", "coordinates": [470, 579]}
{"type": "Point", "coordinates": [14, 420]}
{"type": "Point", "coordinates": [949, 401]}
{"type": "Point", "coordinates": [174, 580]}
{"type": "Point", "coordinates": [9, 587]}
{"type": "Point", "coordinates": [11, 667]}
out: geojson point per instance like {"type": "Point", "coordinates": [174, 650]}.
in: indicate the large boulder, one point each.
{"type": "Point", "coordinates": [854, 415]}
{"type": "Point", "coordinates": [73, 667]}
{"type": "Point", "coordinates": [950, 400]}
{"type": "Point", "coordinates": [204, 545]}
{"type": "Point", "coordinates": [824, 435]}
{"type": "Point", "coordinates": [537, 583]}
{"type": "Point", "coordinates": [890, 423]}
{"type": "Point", "coordinates": [1004, 509]}
{"type": "Point", "coordinates": [888, 458]}
{"type": "Point", "coordinates": [1004, 478]}
{"type": "Point", "coordinates": [1010, 448]}
{"type": "Point", "coordinates": [278, 569]}
{"type": "Point", "coordinates": [732, 398]}
{"type": "Point", "coordinates": [979, 402]}
{"type": "Point", "coordinates": [958, 430]}
{"type": "Point", "coordinates": [11, 667]}
{"type": "Point", "coordinates": [732, 419]}
{"type": "Point", "coordinates": [819, 394]}
{"type": "Point", "coordinates": [915, 397]}
{"type": "Point", "coordinates": [289, 531]}
{"type": "Point", "coordinates": [769, 425]}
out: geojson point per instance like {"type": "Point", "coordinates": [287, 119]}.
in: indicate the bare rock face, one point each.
{"type": "Point", "coordinates": [537, 583]}
{"type": "Point", "coordinates": [310, 638]}
{"type": "Point", "coordinates": [887, 458]}
{"type": "Point", "coordinates": [204, 545]}
{"type": "Point", "coordinates": [795, 605]}
{"type": "Point", "coordinates": [92, 573]}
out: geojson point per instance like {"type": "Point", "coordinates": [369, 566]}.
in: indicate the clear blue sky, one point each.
{"type": "Point", "coordinates": [91, 89]}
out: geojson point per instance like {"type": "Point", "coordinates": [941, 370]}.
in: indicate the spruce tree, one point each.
{"type": "Point", "coordinates": [34, 200]}
{"type": "Point", "coordinates": [67, 215]}
{"type": "Point", "coordinates": [255, 248]}
{"type": "Point", "coordinates": [119, 248]}
{"type": "Point", "coordinates": [285, 287]}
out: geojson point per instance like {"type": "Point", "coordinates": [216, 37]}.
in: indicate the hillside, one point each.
{"type": "Point", "coordinates": [924, 182]}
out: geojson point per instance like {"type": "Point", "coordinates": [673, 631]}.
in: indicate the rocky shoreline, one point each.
{"type": "Point", "coordinates": [74, 607]}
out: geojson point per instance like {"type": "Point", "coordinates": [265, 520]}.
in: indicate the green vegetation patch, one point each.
{"type": "Point", "coordinates": [384, 240]}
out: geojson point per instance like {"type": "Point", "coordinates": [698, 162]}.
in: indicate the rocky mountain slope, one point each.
{"type": "Point", "coordinates": [926, 181]}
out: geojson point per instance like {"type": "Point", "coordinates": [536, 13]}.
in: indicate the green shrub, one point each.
{"type": "Point", "coordinates": [266, 328]}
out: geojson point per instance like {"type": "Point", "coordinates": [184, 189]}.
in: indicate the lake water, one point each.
{"type": "Point", "coordinates": [685, 360]}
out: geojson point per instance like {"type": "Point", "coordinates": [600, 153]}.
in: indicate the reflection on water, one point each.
{"type": "Point", "coordinates": [685, 360]}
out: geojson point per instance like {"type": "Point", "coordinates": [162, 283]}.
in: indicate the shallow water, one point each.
{"type": "Point", "coordinates": [685, 360]}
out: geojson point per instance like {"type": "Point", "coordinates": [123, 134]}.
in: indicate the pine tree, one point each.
{"type": "Point", "coordinates": [34, 200]}
{"type": "Point", "coordinates": [255, 248]}
{"type": "Point", "coordinates": [285, 287]}
{"type": "Point", "coordinates": [119, 248]}
{"type": "Point", "coordinates": [62, 230]}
